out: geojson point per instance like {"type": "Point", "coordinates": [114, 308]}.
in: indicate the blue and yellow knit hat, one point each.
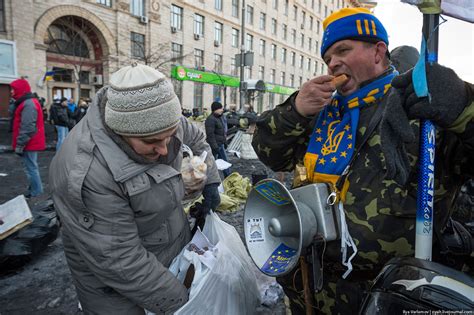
{"type": "Point", "coordinates": [352, 23]}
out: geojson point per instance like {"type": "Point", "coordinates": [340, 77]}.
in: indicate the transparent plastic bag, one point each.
{"type": "Point", "coordinates": [194, 173]}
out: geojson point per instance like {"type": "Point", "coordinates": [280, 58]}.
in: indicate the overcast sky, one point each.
{"type": "Point", "coordinates": [456, 38]}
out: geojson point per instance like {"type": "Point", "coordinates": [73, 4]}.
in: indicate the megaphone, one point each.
{"type": "Point", "coordinates": [280, 223]}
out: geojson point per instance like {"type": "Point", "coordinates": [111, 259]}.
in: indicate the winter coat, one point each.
{"type": "Point", "coordinates": [122, 221]}
{"type": "Point", "coordinates": [59, 115]}
{"type": "Point", "coordinates": [28, 124]}
{"type": "Point", "coordinates": [215, 134]}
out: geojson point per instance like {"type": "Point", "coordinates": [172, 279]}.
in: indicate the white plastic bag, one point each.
{"type": "Point", "coordinates": [226, 286]}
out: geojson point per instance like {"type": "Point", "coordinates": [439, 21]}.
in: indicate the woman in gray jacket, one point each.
{"type": "Point", "coordinates": [117, 189]}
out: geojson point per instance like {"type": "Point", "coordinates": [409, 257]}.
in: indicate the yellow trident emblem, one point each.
{"type": "Point", "coordinates": [332, 143]}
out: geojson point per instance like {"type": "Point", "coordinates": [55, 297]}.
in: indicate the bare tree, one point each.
{"type": "Point", "coordinates": [160, 56]}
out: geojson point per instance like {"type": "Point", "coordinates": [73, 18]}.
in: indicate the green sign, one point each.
{"type": "Point", "coordinates": [279, 89]}
{"type": "Point", "coordinates": [182, 74]}
{"type": "Point", "coordinates": [187, 74]}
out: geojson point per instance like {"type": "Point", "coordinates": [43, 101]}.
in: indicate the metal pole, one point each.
{"type": "Point", "coordinates": [242, 55]}
{"type": "Point", "coordinates": [425, 201]}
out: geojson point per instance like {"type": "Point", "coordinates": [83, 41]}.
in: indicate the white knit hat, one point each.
{"type": "Point", "coordinates": [141, 102]}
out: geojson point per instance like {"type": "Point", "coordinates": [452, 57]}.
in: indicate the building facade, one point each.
{"type": "Point", "coordinates": [69, 48]}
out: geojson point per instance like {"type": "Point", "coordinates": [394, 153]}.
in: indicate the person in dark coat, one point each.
{"type": "Point", "coordinates": [59, 116]}
{"type": "Point", "coordinates": [80, 111]}
{"type": "Point", "coordinates": [215, 133]}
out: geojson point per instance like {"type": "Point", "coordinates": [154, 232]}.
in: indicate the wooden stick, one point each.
{"type": "Point", "coordinates": [308, 301]}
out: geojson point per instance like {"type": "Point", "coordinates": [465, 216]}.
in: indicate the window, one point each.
{"type": "Point", "coordinates": [176, 51]}
{"type": "Point", "coordinates": [249, 42]}
{"type": "Point", "coordinates": [315, 66]}
{"type": "Point", "coordinates": [293, 36]}
{"type": "Point", "coordinates": [302, 40]}
{"type": "Point", "coordinates": [284, 29]}
{"type": "Point", "coordinates": [286, 7]}
{"type": "Point", "coordinates": [292, 80]}
{"type": "Point", "coordinates": [275, 4]}
{"type": "Point", "coordinates": [218, 63]}
{"type": "Point", "coordinates": [249, 14]}
{"type": "Point", "coordinates": [218, 5]}
{"type": "Point", "coordinates": [312, 4]}
{"type": "Point", "coordinates": [301, 61]}
{"type": "Point", "coordinates": [318, 25]}
{"type": "Point", "coordinates": [199, 25]}
{"type": "Point", "coordinates": [235, 8]}
{"type": "Point", "coordinates": [271, 100]}
{"type": "Point", "coordinates": [62, 74]}
{"type": "Point", "coordinates": [176, 17]}
{"type": "Point", "coordinates": [262, 47]}
{"type": "Point", "coordinates": [319, 6]}
{"type": "Point", "coordinates": [301, 81]}
{"type": "Point", "coordinates": [198, 58]}
{"type": "Point", "coordinates": [261, 72]}
{"type": "Point", "coordinates": [310, 43]}
{"type": "Point", "coordinates": [311, 23]}
{"type": "Point", "coordinates": [107, 3]}
{"type": "Point", "coordinates": [138, 45]}
{"type": "Point", "coordinates": [233, 66]}
{"type": "Point", "coordinates": [282, 78]}
{"type": "Point", "coordinates": [178, 88]}
{"type": "Point", "coordinates": [248, 73]}
{"type": "Point", "coordinates": [263, 20]}
{"type": "Point", "coordinates": [137, 7]}
{"type": "Point", "coordinates": [308, 64]}
{"type": "Point", "coordinates": [317, 46]}
{"type": "Point", "coordinates": [325, 11]}
{"type": "Point", "coordinates": [293, 55]}
{"type": "Point", "coordinates": [283, 55]}
{"type": "Point", "coordinates": [274, 26]}
{"type": "Point", "coordinates": [198, 88]}
{"type": "Point", "coordinates": [274, 49]}
{"type": "Point", "coordinates": [322, 68]}
{"type": "Point", "coordinates": [235, 37]}
{"type": "Point", "coordinates": [218, 32]}
{"type": "Point", "coordinates": [233, 95]}
{"type": "Point", "coordinates": [272, 76]}
{"type": "Point", "coordinates": [216, 91]}
{"type": "Point", "coordinates": [303, 18]}
{"type": "Point", "coordinates": [64, 40]}
{"type": "Point", "coordinates": [2, 16]}
{"type": "Point", "coordinates": [295, 12]}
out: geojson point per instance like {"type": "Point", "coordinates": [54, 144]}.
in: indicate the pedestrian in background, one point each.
{"type": "Point", "coordinates": [59, 115]}
{"type": "Point", "coordinates": [80, 111]}
{"type": "Point", "coordinates": [28, 133]}
{"type": "Point", "coordinates": [215, 133]}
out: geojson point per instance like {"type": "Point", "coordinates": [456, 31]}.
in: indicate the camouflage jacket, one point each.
{"type": "Point", "coordinates": [380, 213]}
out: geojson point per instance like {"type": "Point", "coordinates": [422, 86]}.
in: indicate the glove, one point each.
{"type": "Point", "coordinates": [395, 132]}
{"type": "Point", "coordinates": [19, 150]}
{"type": "Point", "coordinates": [449, 95]}
{"type": "Point", "coordinates": [212, 199]}
{"type": "Point", "coordinates": [199, 211]}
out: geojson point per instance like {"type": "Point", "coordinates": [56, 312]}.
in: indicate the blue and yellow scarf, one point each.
{"type": "Point", "coordinates": [333, 139]}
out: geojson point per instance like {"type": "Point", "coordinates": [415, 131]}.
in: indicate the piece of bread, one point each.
{"type": "Point", "coordinates": [339, 80]}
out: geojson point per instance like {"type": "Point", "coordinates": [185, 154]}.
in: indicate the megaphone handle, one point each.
{"type": "Point", "coordinates": [317, 269]}
{"type": "Point", "coordinates": [308, 301]}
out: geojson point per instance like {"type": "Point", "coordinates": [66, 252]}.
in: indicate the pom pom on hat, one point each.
{"type": "Point", "coordinates": [352, 23]}
{"type": "Point", "coordinates": [141, 102]}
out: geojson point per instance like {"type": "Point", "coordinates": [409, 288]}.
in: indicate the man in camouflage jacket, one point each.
{"type": "Point", "coordinates": [380, 204]}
